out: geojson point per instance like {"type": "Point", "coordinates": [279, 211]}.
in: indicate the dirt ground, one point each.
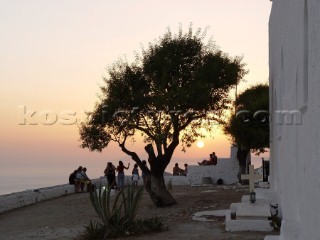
{"type": "Point", "coordinates": [65, 217]}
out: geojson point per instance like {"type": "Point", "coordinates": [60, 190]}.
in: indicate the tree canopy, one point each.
{"type": "Point", "coordinates": [175, 87]}
{"type": "Point", "coordinates": [249, 127]}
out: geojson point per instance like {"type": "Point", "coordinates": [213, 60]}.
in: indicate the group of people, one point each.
{"type": "Point", "coordinates": [80, 179]}
{"type": "Point", "coordinates": [180, 172]}
{"type": "Point", "coordinates": [213, 160]}
{"type": "Point", "coordinates": [177, 171]}
{"type": "Point", "coordinates": [110, 173]}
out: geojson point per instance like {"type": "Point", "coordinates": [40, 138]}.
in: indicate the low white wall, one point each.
{"type": "Point", "coordinates": [226, 169]}
{"type": "Point", "coordinates": [28, 197]}
{"type": "Point", "coordinates": [20, 199]}
{"type": "Point", "coordinates": [177, 180]}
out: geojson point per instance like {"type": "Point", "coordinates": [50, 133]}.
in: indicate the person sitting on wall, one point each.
{"type": "Point", "coordinates": [82, 180]}
{"type": "Point", "coordinates": [212, 160]}
{"type": "Point", "coordinates": [205, 161]}
{"type": "Point", "coordinates": [79, 185]}
{"type": "Point", "coordinates": [177, 171]}
{"type": "Point", "coordinates": [86, 180]}
{"type": "Point", "coordinates": [72, 177]}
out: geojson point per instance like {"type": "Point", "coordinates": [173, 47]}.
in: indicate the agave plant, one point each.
{"type": "Point", "coordinates": [131, 201]}
{"type": "Point", "coordinates": [94, 231]}
{"type": "Point", "coordinates": [119, 216]}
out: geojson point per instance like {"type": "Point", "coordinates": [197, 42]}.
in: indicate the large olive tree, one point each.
{"type": "Point", "coordinates": [176, 86]}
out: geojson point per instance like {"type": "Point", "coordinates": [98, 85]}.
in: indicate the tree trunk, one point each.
{"type": "Point", "coordinates": [158, 192]}
{"type": "Point", "coordinates": [242, 157]}
{"type": "Point", "coordinates": [155, 185]}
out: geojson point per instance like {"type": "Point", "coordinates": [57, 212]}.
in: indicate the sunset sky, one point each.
{"type": "Point", "coordinates": [53, 55]}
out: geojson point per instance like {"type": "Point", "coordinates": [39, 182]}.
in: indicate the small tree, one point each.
{"type": "Point", "coordinates": [177, 86]}
{"type": "Point", "coordinates": [249, 127]}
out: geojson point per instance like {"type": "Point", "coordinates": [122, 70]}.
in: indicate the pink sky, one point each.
{"type": "Point", "coordinates": [54, 54]}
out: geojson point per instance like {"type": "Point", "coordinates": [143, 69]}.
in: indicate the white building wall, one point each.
{"type": "Point", "coordinates": [294, 30]}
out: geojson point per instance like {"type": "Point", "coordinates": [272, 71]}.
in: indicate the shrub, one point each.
{"type": "Point", "coordinates": [95, 231]}
{"type": "Point", "coordinates": [153, 224]}
{"type": "Point", "coordinates": [119, 217]}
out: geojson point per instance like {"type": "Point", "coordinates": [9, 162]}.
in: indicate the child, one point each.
{"type": "Point", "coordinates": [135, 175]}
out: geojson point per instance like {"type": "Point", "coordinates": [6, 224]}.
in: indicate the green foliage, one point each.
{"type": "Point", "coordinates": [176, 86]}
{"type": "Point", "coordinates": [153, 224]}
{"type": "Point", "coordinates": [251, 132]}
{"type": "Point", "coordinates": [119, 217]}
{"type": "Point", "coordinates": [95, 231]}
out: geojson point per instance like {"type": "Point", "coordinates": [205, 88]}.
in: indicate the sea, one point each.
{"type": "Point", "coordinates": [25, 178]}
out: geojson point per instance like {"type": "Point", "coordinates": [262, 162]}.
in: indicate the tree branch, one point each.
{"type": "Point", "coordinates": [175, 140]}
{"type": "Point", "coordinates": [134, 157]}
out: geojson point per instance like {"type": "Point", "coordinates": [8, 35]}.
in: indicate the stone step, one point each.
{"type": "Point", "coordinates": [246, 199]}
{"type": "Point", "coordinates": [247, 225]}
{"type": "Point", "coordinates": [272, 238]}
{"type": "Point", "coordinates": [207, 216]}
{"type": "Point", "coordinates": [264, 184]}
{"type": "Point", "coordinates": [253, 211]}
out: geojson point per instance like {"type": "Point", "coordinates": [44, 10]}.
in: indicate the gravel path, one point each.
{"type": "Point", "coordinates": [65, 217]}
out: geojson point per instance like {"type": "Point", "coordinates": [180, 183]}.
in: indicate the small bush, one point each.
{"type": "Point", "coordinates": [119, 219]}
{"type": "Point", "coordinates": [119, 216]}
{"type": "Point", "coordinates": [95, 231]}
{"type": "Point", "coordinates": [153, 224]}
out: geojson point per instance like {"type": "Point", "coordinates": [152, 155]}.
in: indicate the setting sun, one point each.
{"type": "Point", "coordinates": [200, 144]}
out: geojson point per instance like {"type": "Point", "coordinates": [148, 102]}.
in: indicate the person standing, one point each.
{"type": "Point", "coordinates": [135, 175]}
{"type": "Point", "coordinates": [120, 170]}
{"type": "Point", "coordinates": [185, 169]}
{"type": "Point", "coordinates": [110, 173]}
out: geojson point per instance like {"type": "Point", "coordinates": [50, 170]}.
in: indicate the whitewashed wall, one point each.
{"type": "Point", "coordinates": [33, 196]}
{"type": "Point", "coordinates": [20, 199]}
{"type": "Point", "coordinates": [294, 42]}
{"type": "Point", "coordinates": [226, 169]}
